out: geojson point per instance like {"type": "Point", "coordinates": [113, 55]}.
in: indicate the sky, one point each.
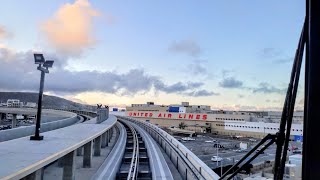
{"type": "Point", "coordinates": [234, 55]}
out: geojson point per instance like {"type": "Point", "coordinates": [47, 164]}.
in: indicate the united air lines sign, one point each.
{"type": "Point", "coordinates": [166, 115]}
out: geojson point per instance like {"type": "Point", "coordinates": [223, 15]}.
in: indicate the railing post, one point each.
{"type": "Point", "coordinates": [107, 138]}
{"type": "Point", "coordinates": [1, 114]}
{"type": "Point", "coordinates": [87, 155]}
{"type": "Point", "coordinates": [14, 121]}
{"type": "Point", "coordinates": [111, 134]}
{"type": "Point", "coordinates": [69, 166]}
{"type": "Point", "coordinates": [97, 146]}
{"type": "Point", "coordinates": [79, 151]}
{"type": "Point", "coordinates": [104, 140]}
{"type": "Point", "coordinates": [60, 162]}
{"type": "Point", "coordinates": [37, 175]}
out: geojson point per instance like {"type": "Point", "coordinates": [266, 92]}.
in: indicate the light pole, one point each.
{"type": "Point", "coordinates": [218, 145]}
{"type": "Point", "coordinates": [221, 168]}
{"type": "Point", "coordinates": [195, 127]}
{"type": "Point", "coordinates": [217, 154]}
{"type": "Point", "coordinates": [43, 67]}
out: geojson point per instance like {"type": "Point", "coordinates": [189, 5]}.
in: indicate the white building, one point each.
{"type": "Point", "coordinates": [14, 103]}
{"type": "Point", "coordinates": [10, 117]}
{"type": "Point", "coordinates": [31, 105]}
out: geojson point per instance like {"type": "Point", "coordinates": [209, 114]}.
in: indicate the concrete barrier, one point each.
{"type": "Point", "coordinates": [102, 115]}
{"type": "Point", "coordinates": [19, 132]}
{"type": "Point", "coordinates": [58, 144]}
{"type": "Point", "coordinates": [87, 113]}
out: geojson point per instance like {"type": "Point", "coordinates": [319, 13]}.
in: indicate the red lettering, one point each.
{"type": "Point", "coordinates": [159, 115]}
{"type": "Point", "coordinates": [150, 115]}
{"type": "Point", "coordinates": [198, 116]}
{"type": "Point", "coordinates": [130, 113]}
{"type": "Point", "coordinates": [145, 114]}
{"type": "Point", "coordinates": [204, 117]}
{"type": "Point", "coordinates": [164, 115]}
{"type": "Point", "coordinates": [141, 114]}
{"type": "Point", "coordinates": [134, 114]}
{"type": "Point", "coordinates": [180, 116]}
{"type": "Point", "coordinates": [169, 115]}
{"type": "Point", "coordinates": [190, 116]}
{"type": "Point", "coordinates": [184, 116]}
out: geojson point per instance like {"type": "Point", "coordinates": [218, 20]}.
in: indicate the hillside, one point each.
{"type": "Point", "coordinates": [48, 101]}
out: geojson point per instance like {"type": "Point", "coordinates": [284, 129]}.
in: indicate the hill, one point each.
{"type": "Point", "coordinates": [47, 101]}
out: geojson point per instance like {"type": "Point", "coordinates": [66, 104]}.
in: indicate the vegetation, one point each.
{"type": "Point", "coordinates": [182, 125]}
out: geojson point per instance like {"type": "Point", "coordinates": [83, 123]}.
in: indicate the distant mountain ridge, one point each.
{"type": "Point", "coordinates": [47, 101]}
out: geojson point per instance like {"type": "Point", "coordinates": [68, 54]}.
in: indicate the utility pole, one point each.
{"type": "Point", "coordinates": [221, 168]}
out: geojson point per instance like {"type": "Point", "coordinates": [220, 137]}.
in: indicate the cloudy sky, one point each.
{"type": "Point", "coordinates": [230, 55]}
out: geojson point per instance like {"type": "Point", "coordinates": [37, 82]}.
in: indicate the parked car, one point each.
{"type": "Point", "coordinates": [252, 140]}
{"type": "Point", "coordinates": [258, 150]}
{"type": "Point", "coordinates": [187, 139]}
{"type": "Point", "coordinates": [236, 137]}
{"type": "Point", "coordinates": [297, 151]}
{"type": "Point", "coordinates": [240, 150]}
{"type": "Point", "coordinates": [216, 158]}
{"type": "Point", "coordinates": [218, 146]}
{"type": "Point", "coordinates": [211, 141]}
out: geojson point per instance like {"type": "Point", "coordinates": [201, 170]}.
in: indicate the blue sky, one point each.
{"type": "Point", "coordinates": [232, 55]}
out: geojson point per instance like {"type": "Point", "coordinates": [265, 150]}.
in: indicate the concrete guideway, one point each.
{"type": "Point", "coordinates": [160, 169]}
{"type": "Point", "coordinates": [67, 119]}
{"type": "Point", "coordinates": [130, 167]}
{"type": "Point", "coordinates": [23, 157]}
{"type": "Point", "coordinates": [83, 112]}
{"type": "Point", "coordinates": [157, 163]}
{"type": "Point", "coordinates": [32, 111]}
{"type": "Point", "coordinates": [109, 169]}
{"type": "Point", "coordinates": [187, 163]}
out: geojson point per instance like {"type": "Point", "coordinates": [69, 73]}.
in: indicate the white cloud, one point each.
{"type": "Point", "coordinates": [21, 74]}
{"type": "Point", "coordinates": [4, 33]}
{"type": "Point", "coordinates": [70, 29]}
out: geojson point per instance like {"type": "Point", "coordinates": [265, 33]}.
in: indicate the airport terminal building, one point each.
{"type": "Point", "coordinates": [201, 118]}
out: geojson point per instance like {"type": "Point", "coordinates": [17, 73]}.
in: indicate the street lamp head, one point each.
{"type": "Point", "coordinates": [48, 63]}
{"type": "Point", "coordinates": [38, 59]}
